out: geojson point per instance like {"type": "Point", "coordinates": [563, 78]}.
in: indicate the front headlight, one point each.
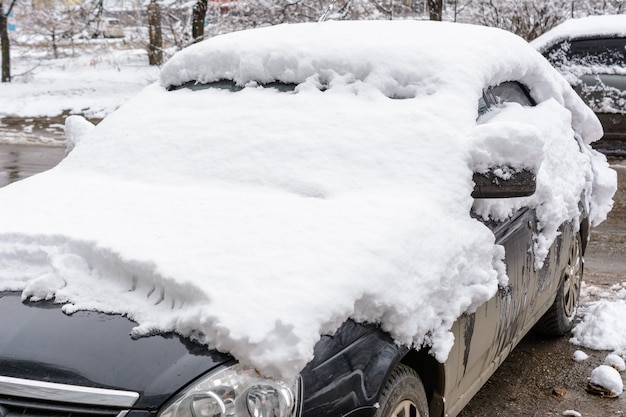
{"type": "Point", "coordinates": [238, 392]}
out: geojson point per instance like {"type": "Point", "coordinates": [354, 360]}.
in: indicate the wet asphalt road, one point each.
{"type": "Point", "coordinates": [527, 382]}
{"type": "Point", "coordinates": [21, 161]}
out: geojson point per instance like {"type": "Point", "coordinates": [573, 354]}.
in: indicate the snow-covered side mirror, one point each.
{"type": "Point", "coordinates": [76, 128]}
{"type": "Point", "coordinates": [505, 158]}
{"type": "Point", "coordinates": [504, 183]}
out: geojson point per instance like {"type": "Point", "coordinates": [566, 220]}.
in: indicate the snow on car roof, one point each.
{"type": "Point", "coordinates": [257, 220]}
{"type": "Point", "coordinates": [584, 27]}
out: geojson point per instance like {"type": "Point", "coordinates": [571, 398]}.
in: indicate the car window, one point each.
{"type": "Point", "coordinates": [507, 92]}
{"type": "Point", "coordinates": [230, 86]}
{"type": "Point", "coordinates": [600, 51]}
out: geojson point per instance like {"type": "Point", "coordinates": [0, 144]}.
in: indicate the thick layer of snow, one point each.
{"type": "Point", "coordinates": [257, 220]}
{"type": "Point", "coordinates": [584, 27]}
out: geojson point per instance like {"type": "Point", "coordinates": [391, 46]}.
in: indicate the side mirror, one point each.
{"type": "Point", "coordinates": [513, 184]}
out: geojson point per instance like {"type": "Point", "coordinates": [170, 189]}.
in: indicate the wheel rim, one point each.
{"type": "Point", "coordinates": [572, 280]}
{"type": "Point", "coordinates": [406, 408]}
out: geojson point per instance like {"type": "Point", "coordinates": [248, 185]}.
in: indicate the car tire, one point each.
{"type": "Point", "coordinates": [403, 395]}
{"type": "Point", "coordinates": [559, 319]}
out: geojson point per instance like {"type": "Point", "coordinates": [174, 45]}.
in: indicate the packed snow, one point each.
{"type": "Point", "coordinates": [609, 378]}
{"type": "Point", "coordinates": [602, 326]}
{"type": "Point", "coordinates": [255, 221]}
{"type": "Point", "coordinates": [580, 356]}
{"type": "Point", "coordinates": [615, 361]}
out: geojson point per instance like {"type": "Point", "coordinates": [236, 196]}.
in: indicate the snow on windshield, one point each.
{"type": "Point", "coordinates": [255, 221]}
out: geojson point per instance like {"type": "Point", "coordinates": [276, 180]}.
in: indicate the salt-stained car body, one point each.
{"type": "Point", "coordinates": [364, 217]}
{"type": "Point", "coordinates": [590, 53]}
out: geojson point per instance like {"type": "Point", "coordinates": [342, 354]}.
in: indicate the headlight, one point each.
{"type": "Point", "coordinates": [238, 392]}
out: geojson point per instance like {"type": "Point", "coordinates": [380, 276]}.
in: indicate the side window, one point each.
{"type": "Point", "coordinates": [600, 51]}
{"type": "Point", "coordinates": [507, 92]}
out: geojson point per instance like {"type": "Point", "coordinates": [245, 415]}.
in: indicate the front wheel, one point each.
{"type": "Point", "coordinates": [559, 319]}
{"type": "Point", "coordinates": [403, 395]}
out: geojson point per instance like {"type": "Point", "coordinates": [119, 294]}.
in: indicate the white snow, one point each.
{"type": "Point", "coordinates": [609, 378]}
{"type": "Point", "coordinates": [94, 82]}
{"type": "Point", "coordinates": [254, 221]}
{"type": "Point", "coordinates": [580, 356]}
{"type": "Point", "coordinates": [605, 25]}
{"type": "Point", "coordinates": [602, 326]}
{"type": "Point", "coordinates": [615, 361]}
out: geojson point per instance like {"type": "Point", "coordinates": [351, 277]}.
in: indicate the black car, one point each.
{"type": "Point", "coordinates": [501, 252]}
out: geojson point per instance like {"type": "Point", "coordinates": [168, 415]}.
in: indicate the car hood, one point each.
{"type": "Point", "coordinates": [40, 342]}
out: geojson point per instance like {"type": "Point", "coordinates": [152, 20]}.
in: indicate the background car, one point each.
{"type": "Point", "coordinates": [109, 27]}
{"type": "Point", "coordinates": [590, 53]}
{"type": "Point", "coordinates": [335, 219]}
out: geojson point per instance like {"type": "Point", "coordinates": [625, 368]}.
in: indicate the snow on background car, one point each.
{"type": "Point", "coordinates": [328, 205]}
{"type": "Point", "coordinates": [587, 67]}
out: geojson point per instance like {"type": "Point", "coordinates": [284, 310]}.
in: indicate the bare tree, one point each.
{"type": "Point", "coordinates": [435, 9]}
{"type": "Point", "coordinates": [197, 20]}
{"type": "Point", "coordinates": [155, 46]}
{"type": "Point", "coordinates": [4, 40]}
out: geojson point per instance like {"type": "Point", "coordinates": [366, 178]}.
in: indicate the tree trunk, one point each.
{"type": "Point", "coordinates": [4, 41]}
{"type": "Point", "coordinates": [197, 20]}
{"type": "Point", "coordinates": [155, 48]}
{"type": "Point", "coordinates": [435, 9]}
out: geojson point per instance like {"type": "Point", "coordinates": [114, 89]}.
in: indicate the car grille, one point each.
{"type": "Point", "coordinates": [28, 398]}
{"type": "Point", "coordinates": [14, 407]}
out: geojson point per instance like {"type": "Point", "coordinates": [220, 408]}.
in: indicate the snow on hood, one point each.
{"type": "Point", "coordinates": [257, 220]}
{"type": "Point", "coordinates": [584, 27]}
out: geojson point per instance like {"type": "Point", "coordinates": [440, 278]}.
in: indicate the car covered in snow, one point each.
{"type": "Point", "coordinates": [332, 219]}
{"type": "Point", "coordinates": [591, 53]}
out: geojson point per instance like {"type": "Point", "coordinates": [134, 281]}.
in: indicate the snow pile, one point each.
{"type": "Point", "coordinates": [256, 220]}
{"type": "Point", "coordinates": [580, 356]}
{"type": "Point", "coordinates": [602, 326]}
{"type": "Point", "coordinates": [608, 378]}
{"type": "Point", "coordinates": [615, 361]}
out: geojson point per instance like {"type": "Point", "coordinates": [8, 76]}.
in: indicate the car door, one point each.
{"type": "Point", "coordinates": [484, 338]}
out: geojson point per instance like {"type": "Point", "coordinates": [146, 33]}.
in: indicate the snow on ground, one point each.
{"type": "Point", "coordinates": [257, 220]}
{"type": "Point", "coordinates": [602, 325]}
{"type": "Point", "coordinates": [89, 79]}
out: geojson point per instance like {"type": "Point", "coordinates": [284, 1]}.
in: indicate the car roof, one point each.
{"type": "Point", "coordinates": [613, 26]}
{"type": "Point", "coordinates": [426, 58]}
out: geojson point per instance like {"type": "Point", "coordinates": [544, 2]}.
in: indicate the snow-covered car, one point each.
{"type": "Point", "coordinates": [591, 53]}
{"type": "Point", "coordinates": [332, 219]}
